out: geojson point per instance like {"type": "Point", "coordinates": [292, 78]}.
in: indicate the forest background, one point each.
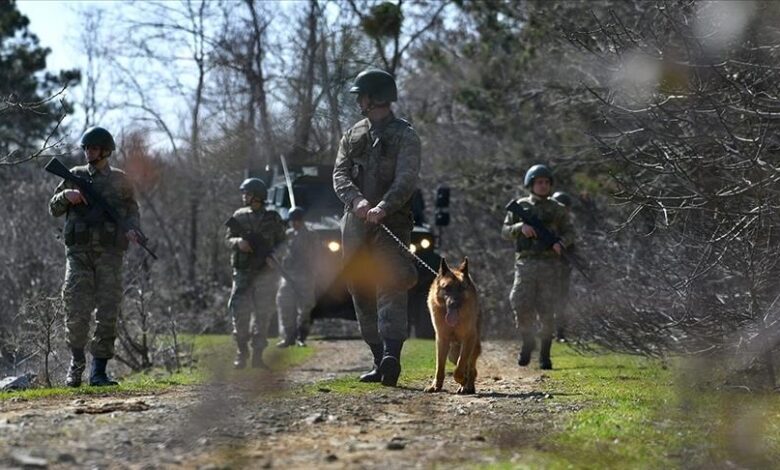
{"type": "Point", "coordinates": [659, 118]}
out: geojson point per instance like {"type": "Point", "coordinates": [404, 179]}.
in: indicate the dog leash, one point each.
{"type": "Point", "coordinates": [406, 249]}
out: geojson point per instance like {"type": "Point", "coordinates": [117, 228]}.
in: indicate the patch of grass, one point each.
{"type": "Point", "coordinates": [417, 364]}
{"type": "Point", "coordinates": [211, 353]}
{"type": "Point", "coordinates": [636, 415]}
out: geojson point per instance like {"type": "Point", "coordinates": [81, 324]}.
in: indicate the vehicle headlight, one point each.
{"type": "Point", "coordinates": [334, 246]}
{"type": "Point", "coordinates": [413, 248]}
{"type": "Point", "coordinates": [425, 243]}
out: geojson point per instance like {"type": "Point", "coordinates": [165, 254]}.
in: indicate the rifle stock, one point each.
{"type": "Point", "coordinates": [56, 167]}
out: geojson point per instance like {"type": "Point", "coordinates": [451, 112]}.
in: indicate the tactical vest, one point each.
{"type": "Point", "coordinates": [533, 247]}
{"type": "Point", "coordinates": [262, 225]}
{"type": "Point", "coordinates": [89, 225]}
{"type": "Point", "coordinates": [374, 161]}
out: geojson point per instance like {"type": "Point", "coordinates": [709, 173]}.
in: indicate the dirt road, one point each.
{"type": "Point", "coordinates": [263, 422]}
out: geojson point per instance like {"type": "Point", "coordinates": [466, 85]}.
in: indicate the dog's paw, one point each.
{"type": "Point", "coordinates": [459, 376]}
{"type": "Point", "coordinates": [432, 389]}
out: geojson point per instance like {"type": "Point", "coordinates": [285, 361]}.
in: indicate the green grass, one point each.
{"type": "Point", "coordinates": [212, 354]}
{"type": "Point", "coordinates": [635, 415]}
{"type": "Point", "coordinates": [417, 363]}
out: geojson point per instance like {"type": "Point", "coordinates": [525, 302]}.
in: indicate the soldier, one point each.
{"type": "Point", "coordinates": [95, 250]}
{"type": "Point", "coordinates": [252, 235]}
{"type": "Point", "coordinates": [561, 313]}
{"type": "Point", "coordinates": [375, 174]}
{"type": "Point", "coordinates": [295, 298]}
{"type": "Point", "coordinates": [538, 269]}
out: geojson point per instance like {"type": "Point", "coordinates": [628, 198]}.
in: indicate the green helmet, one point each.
{"type": "Point", "coordinates": [562, 198]}
{"type": "Point", "coordinates": [535, 172]}
{"type": "Point", "coordinates": [377, 84]}
{"type": "Point", "coordinates": [99, 137]}
{"type": "Point", "coordinates": [255, 187]}
{"type": "Point", "coordinates": [296, 213]}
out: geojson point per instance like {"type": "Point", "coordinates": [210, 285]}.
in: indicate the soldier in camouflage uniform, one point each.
{"type": "Point", "coordinates": [375, 174]}
{"type": "Point", "coordinates": [254, 281]}
{"type": "Point", "coordinates": [95, 249]}
{"type": "Point", "coordinates": [538, 269]}
{"type": "Point", "coordinates": [295, 298]}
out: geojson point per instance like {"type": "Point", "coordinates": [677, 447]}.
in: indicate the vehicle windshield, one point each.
{"type": "Point", "coordinates": [318, 198]}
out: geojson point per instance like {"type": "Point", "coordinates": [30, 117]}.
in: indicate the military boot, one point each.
{"type": "Point", "coordinates": [544, 355]}
{"type": "Point", "coordinates": [241, 356]}
{"type": "Point", "coordinates": [98, 376]}
{"type": "Point", "coordinates": [561, 335]}
{"type": "Point", "coordinates": [287, 341]}
{"type": "Point", "coordinates": [303, 333]}
{"type": "Point", "coordinates": [525, 353]}
{"type": "Point", "coordinates": [390, 367]}
{"type": "Point", "coordinates": [78, 362]}
{"type": "Point", "coordinates": [373, 376]}
{"type": "Point", "coordinates": [257, 358]}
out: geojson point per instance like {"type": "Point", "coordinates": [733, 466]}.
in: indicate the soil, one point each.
{"type": "Point", "coordinates": [266, 422]}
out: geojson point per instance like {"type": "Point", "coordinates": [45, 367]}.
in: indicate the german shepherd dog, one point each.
{"type": "Point", "coordinates": [454, 309]}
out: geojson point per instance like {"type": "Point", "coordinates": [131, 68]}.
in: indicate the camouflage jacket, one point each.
{"type": "Point", "coordinates": [380, 162]}
{"type": "Point", "coordinates": [551, 214]}
{"type": "Point", "coordinates": [267, 225]}
{"type": "Point", "coordinates": [300, 251]}
{"type": "Point", "coordinates": [87, 227]}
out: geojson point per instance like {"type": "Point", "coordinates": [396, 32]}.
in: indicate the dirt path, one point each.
{"type": "Point", "coordinates": [255, 424]}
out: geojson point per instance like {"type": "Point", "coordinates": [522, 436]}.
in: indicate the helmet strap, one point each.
{"type": "Point", "coordinates": [102, 156]}
{"type": "Point", "coordinates": [372, 105]}
{"type": "Point", "coordinates": [254, 199]}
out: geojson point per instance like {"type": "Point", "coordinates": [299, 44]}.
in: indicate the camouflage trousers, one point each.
{"type": "Point", "coordinates": [535, 293]}
{"type": "Point", "coordinates": [93, 282]}
{"type": "Point", "coordinates": [251, 305]}
{"type": "Point", "coordinates": [294, 303]}
{"type": "Point", "coordinates": [379, 276]}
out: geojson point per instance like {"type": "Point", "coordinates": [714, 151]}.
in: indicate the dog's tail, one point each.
{"type": "Point", "coordinates": [454, 352]}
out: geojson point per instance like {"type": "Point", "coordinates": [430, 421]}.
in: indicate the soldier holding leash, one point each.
{"type": "Point", "coordinates": [375, 174]}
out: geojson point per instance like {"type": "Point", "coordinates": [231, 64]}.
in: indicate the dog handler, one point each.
{"type": "Point", "coordinates": [375, 174]}
{"type": "Point", "coordinates": [538, 269]}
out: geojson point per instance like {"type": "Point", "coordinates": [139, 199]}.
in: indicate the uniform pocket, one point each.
{"type": "Point", "coordinates": [80, 233]}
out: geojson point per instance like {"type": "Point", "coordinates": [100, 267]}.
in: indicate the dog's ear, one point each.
{"type": "Point", "coordinates": [464, 267]}
{"type": "Point", "coordinates": [443, 268]}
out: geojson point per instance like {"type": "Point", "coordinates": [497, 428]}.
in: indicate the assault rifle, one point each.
{"type": "Point", "coordinates": [93, 197]}
{"type": "Point", "coordinates": [545, 236]}
{"type": "Point", "coordinates": [260, 248]}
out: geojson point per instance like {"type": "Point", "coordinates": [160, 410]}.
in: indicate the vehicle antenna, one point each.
{"type": "Point", "coordinates": [288, 180]}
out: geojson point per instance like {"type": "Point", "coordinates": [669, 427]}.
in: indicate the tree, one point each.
{"type": "Point", "coordinates": [28, 114]}
{"type": "Point", "coordinates": [688, 103]}
{"type": "Point", "coordinates": [383, 22]}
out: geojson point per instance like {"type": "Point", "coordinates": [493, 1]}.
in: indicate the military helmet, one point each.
{"type": "Point", "coordinates": [562, 198]}
{"type": "Point", "coordinates": [255, 187]}
{"type": "Point", "coordinates": [296, 213]}
{"type": "Point", "coordinates": [98, 136]}
{"type": "Point", "coordinates": [377, 84]}
{"type": "Point", "coordinates": [535, 172]}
